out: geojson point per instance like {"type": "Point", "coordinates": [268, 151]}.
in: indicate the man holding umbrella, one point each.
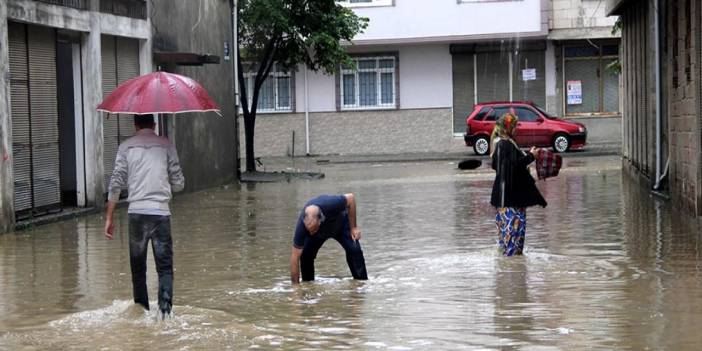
{"type": "Point", "coordinates": [147, 165]}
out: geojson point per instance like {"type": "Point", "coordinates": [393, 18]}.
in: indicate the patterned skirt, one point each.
{"type": "Point", "coordinates": [511, 227]}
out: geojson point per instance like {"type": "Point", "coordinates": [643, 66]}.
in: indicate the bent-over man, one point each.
{"type": "Point", "coordinates": [324, 217]}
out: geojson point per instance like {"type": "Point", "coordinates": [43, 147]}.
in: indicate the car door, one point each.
{"type": "Point", "coordinates": [529, 128]}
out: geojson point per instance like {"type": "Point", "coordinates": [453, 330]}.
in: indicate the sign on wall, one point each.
{"type": "Point", "coordinates": [575, 92]}
{"type": "Point", "coordinates": [529, 74]}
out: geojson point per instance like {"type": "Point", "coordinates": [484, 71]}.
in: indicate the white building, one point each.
{"type": "Point", "coordinates": [421, 66]}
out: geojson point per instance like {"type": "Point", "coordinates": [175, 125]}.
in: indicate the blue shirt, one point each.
{"type": "Point", "coordinates": [331, 206]}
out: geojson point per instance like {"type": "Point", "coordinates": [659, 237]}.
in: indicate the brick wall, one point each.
{"type": "Point", "coordinates": [357, 132]}
{"type": "Point", "coordinates": [684, 129]}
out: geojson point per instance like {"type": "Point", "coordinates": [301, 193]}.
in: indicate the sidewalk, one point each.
{"type": "Point", "coordinates": [315, 162]}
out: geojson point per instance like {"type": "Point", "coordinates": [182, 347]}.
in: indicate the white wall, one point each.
{"type": "Point", "coordinates": [322, 90]}
{"type": "Point", "coordinates": [425, 76]}
{"type": "Point", "coordinates": [425, 80]}
{"type": "Point", "coordinates": [415, 19]}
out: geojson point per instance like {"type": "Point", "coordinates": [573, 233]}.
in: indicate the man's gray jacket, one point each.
{"type": "Point", "coordinates": [147, 165]}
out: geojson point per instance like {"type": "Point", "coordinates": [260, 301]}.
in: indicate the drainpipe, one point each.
{"type": "Point", "coordinates": [307, 115]}
{"type": "Point", "coordinates": [657, 58]}
{"type": "Point", "coordinates": [235, 61]}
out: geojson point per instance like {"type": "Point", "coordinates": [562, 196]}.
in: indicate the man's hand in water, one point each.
{"type": "Point", "coordinates": [109, 228]}
{"type": "Point", "coordinates": [355, 233]}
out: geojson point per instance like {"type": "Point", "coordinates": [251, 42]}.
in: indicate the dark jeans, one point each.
{"type": "Point", "coordinates": [340, 232]}
{"type": "Point", "coordinates": [143, 228]}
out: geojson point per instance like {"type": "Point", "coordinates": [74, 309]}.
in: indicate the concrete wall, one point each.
{"type": "Point", "coordinates": [578, 19]}
{"type": "Point", "coordinates": [602, 130]}
{"type": "Point", "coordinates": [419, 20]}
{"type": "Point", "coordinates": [7, 215]}
{"type": "Point", "coordinates": [206, 143]}
{"type": "Point", "coordinates": [357, 132]}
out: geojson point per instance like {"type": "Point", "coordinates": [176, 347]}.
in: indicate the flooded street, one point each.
{"type": "Point", "coordinates": [607, 266]}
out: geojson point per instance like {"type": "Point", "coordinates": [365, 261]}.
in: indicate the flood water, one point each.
{"type": "Point", "coordinates": [607, 266]}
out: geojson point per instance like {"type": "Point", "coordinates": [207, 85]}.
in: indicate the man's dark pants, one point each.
{"type": "Point", "coordinates": [143, 228]}
{"type": "Point", "coordinates": [339, 231]}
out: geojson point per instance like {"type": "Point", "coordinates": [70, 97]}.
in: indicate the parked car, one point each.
{"type": "Point", "coordinates": [535, 127]}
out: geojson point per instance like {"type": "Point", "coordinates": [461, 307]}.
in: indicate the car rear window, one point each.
{"type": "Point", "coordinates": [481, 114]}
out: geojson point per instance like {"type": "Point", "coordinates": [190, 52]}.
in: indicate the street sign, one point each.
{"type": "Point", "coordinates": [575, 92]}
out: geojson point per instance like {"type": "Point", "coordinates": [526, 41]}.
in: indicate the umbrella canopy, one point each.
{"type": "Point", "coordinates": [158, 92]}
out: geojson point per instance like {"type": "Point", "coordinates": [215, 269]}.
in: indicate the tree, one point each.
{"type": "Point", "coordinates": [289, 33]}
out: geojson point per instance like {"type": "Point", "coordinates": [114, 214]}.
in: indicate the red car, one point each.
{"type": "Point", "coordinates": [535, 127]}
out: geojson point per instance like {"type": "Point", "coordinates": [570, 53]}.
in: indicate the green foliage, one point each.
{"type": "Point", "coordinates": [615, 66]}
{"type": "Point", "coordinates": [289, 33]}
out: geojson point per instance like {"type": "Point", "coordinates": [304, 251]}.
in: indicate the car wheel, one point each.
{"type": "Point", "coordinates": [561, 143]}
{"type": "Point", "coordinates": [481, 146]}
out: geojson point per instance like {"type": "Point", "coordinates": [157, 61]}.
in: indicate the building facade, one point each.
{"type": "Point", "coordinates": [419, 73]}
{"type": "Point", "coordinates": [58, 60]}
{"type": "Point", "coordinates": [662, 96]}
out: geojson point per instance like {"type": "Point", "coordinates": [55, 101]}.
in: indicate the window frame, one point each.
{"type": "Point", "coordinates": [341, 72]}
{"type": "Point", "coordinates": [482, 1]}
{"type": "Point", "coordinates": [372, 3]}
{"type": "Point", "coordinates": [274, 74]}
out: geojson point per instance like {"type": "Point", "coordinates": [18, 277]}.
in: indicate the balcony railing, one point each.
{"type": "Point", "coordinates": [76, 4]}
{"type": "Point", "coordinates": [127, 8]}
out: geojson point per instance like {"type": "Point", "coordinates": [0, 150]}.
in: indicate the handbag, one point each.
{"type": "Point", "coordinates": [548, 163]}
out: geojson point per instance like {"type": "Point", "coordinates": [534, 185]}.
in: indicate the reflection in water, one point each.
{"type": "Point", "coordinates": [606, 266]}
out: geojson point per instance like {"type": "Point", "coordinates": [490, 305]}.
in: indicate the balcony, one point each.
{"type": "Point", "coordinates": [127, 8]}
{"type": "Point", "coordinates": [76, 4]}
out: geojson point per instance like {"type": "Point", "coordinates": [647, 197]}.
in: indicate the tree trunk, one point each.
{"type": "Point", "coordinates": [249, 126]}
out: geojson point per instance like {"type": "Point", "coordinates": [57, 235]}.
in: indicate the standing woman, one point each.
{"type": "Point", "coordinates": [514, 189]}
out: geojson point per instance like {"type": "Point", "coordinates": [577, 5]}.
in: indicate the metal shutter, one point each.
{"type": "Point", "coordinates": [611, 88]}
{"type": "Point", "coordinates": [463, 94]}
{"type": "Point", "coordinates": [109, 123]}
{"type": "Point", "coordinates": [127, 51]}
{"type": "Point", "coordinates": [34, 111]}
{"type": "Point", "coordinates": [19, 94]}
{"type": "Point", "coordinates": [587, 72]}
{"type": "Point", "coordinates": [44, 116]}
{"type": "Point", "coordinates": [120, 62]}
{"type": "Point", "coordinates": [533, 90]}
{"type": "Point", "coordinates": [493, 76]}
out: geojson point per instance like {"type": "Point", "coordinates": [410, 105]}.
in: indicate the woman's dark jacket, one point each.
{"type": "Point", "coordinates": [514, 186]}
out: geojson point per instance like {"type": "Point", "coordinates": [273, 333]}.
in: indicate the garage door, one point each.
{"type": "Point", "coordinates": [120, 62]}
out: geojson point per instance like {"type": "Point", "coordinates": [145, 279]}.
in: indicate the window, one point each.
{"type": "Point", "coordinates": [365, 3]}
{"type": "Point", "coordinates": [526, 114]}
{"type": "Point", "coordinates": [482, 113]}
{"type": "Point", "coordinates": [276, 91]}
{"type": "Point", "coordinates": [371, 85]}
{"type": "Point", "coordinates": [498, 112]}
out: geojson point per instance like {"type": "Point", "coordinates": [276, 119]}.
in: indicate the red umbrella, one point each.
{"type": "Point", "coordinates": [158, 92]}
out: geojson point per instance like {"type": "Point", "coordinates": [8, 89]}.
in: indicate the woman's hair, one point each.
{"type": "Point", "coordinates": [504, 127]}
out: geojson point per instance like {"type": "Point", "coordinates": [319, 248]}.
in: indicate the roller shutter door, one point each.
{"type": "Point", "coordinates": [34, 117]}
{"type": "Point", "coordinates": [120, 62]}
{"type": "Point", "coordinates": [493, 76]}
{"type": "Point", "coordinates": [529, 90]}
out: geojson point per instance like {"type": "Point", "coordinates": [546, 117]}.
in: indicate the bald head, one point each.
{"type": "Point", "coordinates": [312, 219]}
